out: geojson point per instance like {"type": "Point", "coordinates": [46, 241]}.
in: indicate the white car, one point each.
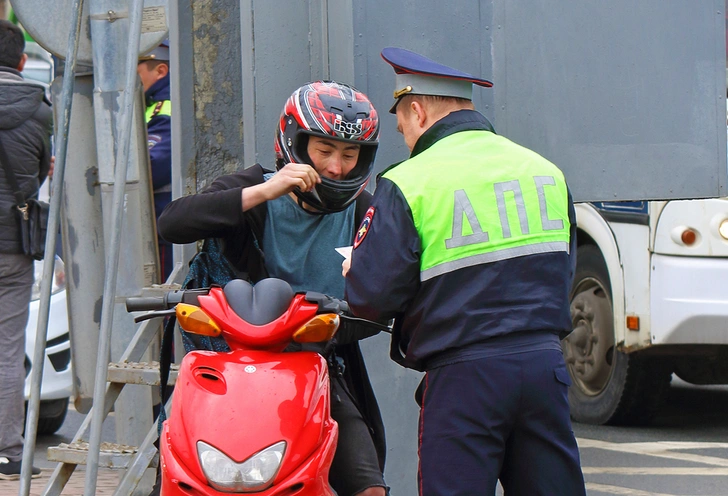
{"type": "Point", "coordinates": [39, 65]}
{"type": "Point", "coordinates": [57, 385]}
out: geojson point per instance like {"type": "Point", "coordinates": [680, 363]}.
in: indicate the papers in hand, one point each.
{"type": "Point", "coordinates": [344, 251]}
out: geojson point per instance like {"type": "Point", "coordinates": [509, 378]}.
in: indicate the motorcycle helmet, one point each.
{"type": "Point", "coordinates": [330, 110]}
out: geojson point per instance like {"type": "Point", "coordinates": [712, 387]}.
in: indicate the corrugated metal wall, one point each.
{"type": "Point", "coordinates": [627, 97]}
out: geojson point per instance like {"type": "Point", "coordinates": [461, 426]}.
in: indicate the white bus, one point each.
{"type": "Point", "coordinates": [650, 297]}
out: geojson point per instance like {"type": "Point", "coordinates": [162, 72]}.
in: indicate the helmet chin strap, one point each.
{"type": "Point", "coordinates": [316, 210]}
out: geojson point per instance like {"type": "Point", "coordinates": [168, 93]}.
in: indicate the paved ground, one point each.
{"type": "Point", "coordinates": [107, 479]}
{"type": "Point", "coordinates": [683, 452]}
{"type": "Point", "coordinates": [107, 482]}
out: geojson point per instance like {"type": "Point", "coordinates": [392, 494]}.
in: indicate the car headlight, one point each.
{"type": "Point", "coordinates": [254, 474]}
{"type": "Point", "coordinates": [59, 278]}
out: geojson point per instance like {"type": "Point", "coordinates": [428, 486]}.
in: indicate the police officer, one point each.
{"type": "Point", "coordinates": [153, 70]}
{"type": "Point", "coordinates": [470, 245]}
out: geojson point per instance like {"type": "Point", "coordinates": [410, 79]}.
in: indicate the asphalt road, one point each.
{"type": "Point", "coordinates": [683, 453]}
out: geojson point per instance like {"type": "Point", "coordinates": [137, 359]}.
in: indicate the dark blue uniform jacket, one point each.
{"type": "Point", "coordinates": [463, 314]}
{"type": "Point", "coordinates": [159, 133]}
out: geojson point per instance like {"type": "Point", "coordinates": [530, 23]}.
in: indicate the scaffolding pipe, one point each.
{"type": "Point", "coordinates": [31, 422]}
{"type": "Point", "coordinates": [112, 260]}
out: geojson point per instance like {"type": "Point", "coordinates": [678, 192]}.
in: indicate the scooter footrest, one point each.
{"type": "Point", "coordinates": [111, 455]}
{"type": "Point", "coordinates": [145, 373]}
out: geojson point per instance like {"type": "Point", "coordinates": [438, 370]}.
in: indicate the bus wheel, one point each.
{"type": "Point", "coordinates": [608, 386]}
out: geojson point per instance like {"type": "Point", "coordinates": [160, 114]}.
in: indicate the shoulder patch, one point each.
{"type": "Point", "coordinates": [153, 139]}
{"type": "Point", "coordinates": [366, 223]}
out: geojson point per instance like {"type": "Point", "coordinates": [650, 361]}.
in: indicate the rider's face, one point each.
{"type": "Point", "coordinates": [331, 158]}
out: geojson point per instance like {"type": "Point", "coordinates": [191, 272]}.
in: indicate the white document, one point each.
{"type": "Point", "coordinates": [344, 251]}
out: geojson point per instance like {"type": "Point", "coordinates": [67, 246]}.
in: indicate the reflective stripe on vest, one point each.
{"type": "Point", "coordinates": [477, 198]}
{"type": "Point", "coordinates": [160, 108]}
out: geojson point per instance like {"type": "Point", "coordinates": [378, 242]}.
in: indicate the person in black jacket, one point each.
{"type": "Point", "coordinates": [287, 224]}
{"type": "Point", "coordinates": [25, 126]}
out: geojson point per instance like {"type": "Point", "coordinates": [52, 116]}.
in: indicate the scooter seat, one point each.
{"type": "Point", "coordinates": [259, 304]}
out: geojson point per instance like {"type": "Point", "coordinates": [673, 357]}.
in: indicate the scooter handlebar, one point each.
{"type": "Point", "coordinates": [145, 303]}
{"type": "Point", "coordinates": [328, 304]}
{"type": "Point", "coordinates": [168, 301]}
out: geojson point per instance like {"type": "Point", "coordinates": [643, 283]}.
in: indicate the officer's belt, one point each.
{"type": "Point", "coordinates": [505, 344]}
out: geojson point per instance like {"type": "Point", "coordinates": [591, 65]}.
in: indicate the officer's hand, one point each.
{"type": "Point", "coordinates": [292, 176]}
{"type": "Point", "coordinates": [345, 266]}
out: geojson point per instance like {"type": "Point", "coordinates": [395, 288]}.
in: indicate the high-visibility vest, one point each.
{"type": "Point", "coordinates": [163, 107]}
{"type": "Point", "coordinates": [477, 198]}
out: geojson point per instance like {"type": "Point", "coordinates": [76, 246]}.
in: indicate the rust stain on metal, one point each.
{"type": "Point", "coordinates": [205, 19]}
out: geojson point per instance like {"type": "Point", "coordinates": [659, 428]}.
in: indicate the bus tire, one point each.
{"type": "Point", "coordinates": [608, 386]}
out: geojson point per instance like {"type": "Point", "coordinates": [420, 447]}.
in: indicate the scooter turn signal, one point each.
{"type": "Point", "coordinates": [318, 329]}
{"type": "Point", "coordinates": [192, 319]}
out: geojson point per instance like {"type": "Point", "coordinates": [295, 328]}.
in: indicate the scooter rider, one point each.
{"type": "Point", "coordinates": [286, 224]}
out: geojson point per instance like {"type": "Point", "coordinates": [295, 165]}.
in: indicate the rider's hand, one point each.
{"type": "Point", "coordinates": [292, 176]}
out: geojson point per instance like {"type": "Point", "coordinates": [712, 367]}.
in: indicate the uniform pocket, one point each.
{"type": "Point", "coordinates": [562, 375]}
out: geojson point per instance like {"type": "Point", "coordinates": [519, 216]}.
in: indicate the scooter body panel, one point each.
{"type": "Point", "coordinates": [240, 334]}
{"type": "Point", "coordinates": [311, 478]}
{"type": "Point", "coordinates": [244, 401]}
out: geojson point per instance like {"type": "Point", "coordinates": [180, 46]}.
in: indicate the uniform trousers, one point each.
{"type": "Point", "coordinates": [16, 280]}
{"type": "Point", "coordinates": [500, 417]}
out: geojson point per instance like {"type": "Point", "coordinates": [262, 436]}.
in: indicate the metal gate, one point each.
{"type": "Point", "coordinates": [653, 130]}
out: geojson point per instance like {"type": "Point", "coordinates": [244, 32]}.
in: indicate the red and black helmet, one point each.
{"type": "Point", "coordinates": [331, 110]}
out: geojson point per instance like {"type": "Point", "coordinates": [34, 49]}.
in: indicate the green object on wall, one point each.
{"type": "Point", "coordinates": [13, 18]}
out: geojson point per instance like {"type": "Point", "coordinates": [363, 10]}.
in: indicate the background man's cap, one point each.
{"type": "Point", "coordinates": [160, 53]}
{"type": "Point", "coordinates": [418, 75]}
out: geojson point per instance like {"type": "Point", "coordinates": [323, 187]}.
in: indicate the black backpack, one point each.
{"type": "Point", "coordinates": [208, 268]}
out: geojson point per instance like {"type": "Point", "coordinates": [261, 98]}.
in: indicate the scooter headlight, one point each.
{"type": "Point", "coordinates": [254, 474]}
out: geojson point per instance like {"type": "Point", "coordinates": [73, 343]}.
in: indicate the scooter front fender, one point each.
{"type": "Point", "coordinates": [244, 401]}
{"type": "Point", "coordinates": [310, 478]}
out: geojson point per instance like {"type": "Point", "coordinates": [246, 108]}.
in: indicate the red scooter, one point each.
{"type": "Point", "coordinates": [255, 419]}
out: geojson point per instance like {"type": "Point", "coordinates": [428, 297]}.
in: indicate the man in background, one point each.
{"type": "Point", "coordinates": [153, 70]}
{"type": "Point", "coordinates": [25, 129]}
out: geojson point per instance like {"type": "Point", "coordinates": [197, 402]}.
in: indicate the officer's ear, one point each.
{"type": "Point", "coordinates": [420, 111]}
{"type": "Point", "coordinates": [162, 70]}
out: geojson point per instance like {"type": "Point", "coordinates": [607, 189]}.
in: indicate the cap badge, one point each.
{"type": "Point", "coordinates": [403, 91]}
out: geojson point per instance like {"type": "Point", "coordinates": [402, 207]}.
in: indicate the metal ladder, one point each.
{"type": "Point", "coordinates": [134, 459]}
{"type": "Point", "coordinates": [86, 446]}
